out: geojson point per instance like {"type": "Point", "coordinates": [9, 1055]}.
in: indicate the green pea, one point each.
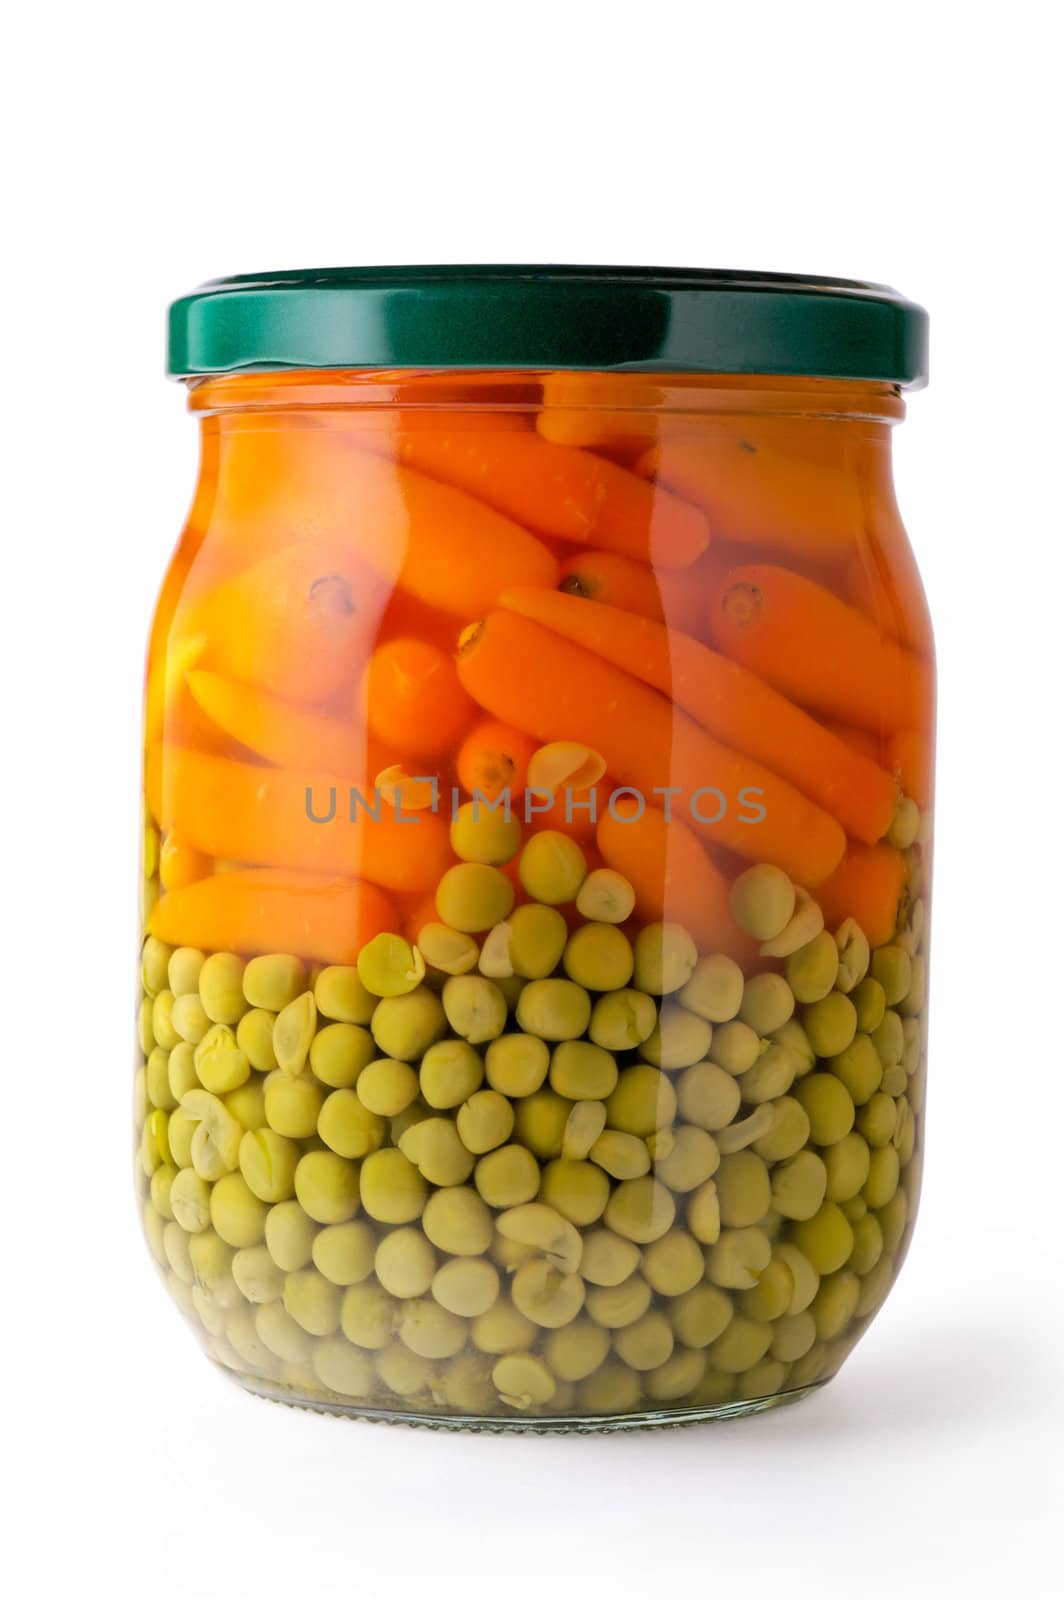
{"type": "Point", "coordinates": [457, 1221]}
{"type": "Point", "coordinates": [273, 982]}
{"type": "Point", "coordinates": [622, 1155]}
{"type": "Point", "coordinates": [793, 1336]}
{"type": "Point", "coordinates": [892, 968]}
{"type": "Point", "coordinates": [474, 1007]}
{"type": "Point", "coordinates": [577, 1190]}
{"type": "Point", "coordinates": [854, 955]}
{"type": "Point", "coordinates": [552, 868]}
{"type": "Point", "coordinates": [268, 1163]}
{"type": "Point", "coordinates": [188, 1018]}
{"type": "Point", "coordinates": [343, 1252]}
{"type": "Point", "coordinates": [741, 1346]}
{"type": "Point", "coordinates": [388, 965]}
{"type": "Point", "coordinates": [582, 1071]}
{"type": "Point", "coordinates": [485, 1121]}
{"type": "Point", "coordinates": [700, 1315]}
{"type": "Point", "coordinates": [157, 1079]}
{"type": "Point", "coordinates": [465, 1384]}
{"type": "Point", "coordinates": [189, 1198]}
{"type": "Point", "coordinates": [293, 1105]}
{"type": "Point", "coordinates": [485, 832]}
{"type": "Point", "coordinates": [715, 989]}
{"type": "Point", "coordinates": [516, 1064]}
{"type": "Point", "coordinates": [181, 1070]}
{"type": "Point", "coordinates": [788, 1132]}
{"type": "Point", "coordinates": [762, 901]}
{"type": "Point", "coordinates": [738, 1258]}
{"type": "Point", "coordinates": [436, 1150]}
{"type": "Point", "coordinates": [554, 1009]}
{"type": "Point", "coordinates": [450, 1072]}
{"type": "Point", "coordinates": [665, 958]}
{"type": "Point", "coordinates": [340, 995]}
{"type": "Point", "coordinates": [538, 936]}
{"type": "Point", "coordinates": [368, 1316]}
{"type": "Point", "coordinates": [472, 897]}
{"type": "Point", "coordinates": [867, 1244]}
{"type": "Point", "coordinates": [831, 1024]}
{"type": "Point", "coordinates": [675, 1378]}
{"type": "Point", "coordinates": [869, 1002]}
{"type": "Point", "coordinates": [889, 1039]}
{"type": "Point", "coordinates": [640, 1209]}
{"type": "Point", "coordinates": [237, 1215]}
{"type": "Point", "coordinates": [154, 965]}
{"type": "Point", "coordinates": [799, 1186]}
{"type": "Point", "coordinates": [826, 1102]}
{"type": "Point", "coordinates": [598, 956]}
{"type": "Point", "coordinates": [577, 1350]}
{"type": "Point", "coordinates": [812, 970]}
{"type": "Point", "coordinates": [508, 1176]}
{"type": "Point", "coordinates": [605, 896]}
{"type": "Point", "coordinates": [892, 1218]}
{"type": "Point", "coordinates": [183, 971]}
{"type": "Point", "coordinates": [916, 998]}
{"type": "Point", "coordinates": [853, 1210]}
{"type": "Point", "coordinates": [539, 1123]}
{"type": "Point", "coordinates": [619, 1305]}
{"type": "Point", "coordinates": [743, 1189]}
{"type": "Point", "coordinates": [906, 824]}
{"type": "Point", "coordinates": [293, 1031]}
{"type": "Point", "coordinates": [847, 1164]}
{"type": "Point", "coordinates": [221, 1065]}
{"type": "Point", "coordinates": [524, 1382]}
{"type": "Point", "coordinates": [254, 1035]}
{"type": "Point", "coordinates": [805, 1279]}
{"type": "Point", "coordinates": [290, 1235]}
{"type": "Point", "coordinates": [447, 950]}
{"type": "Point", "coordinates": [735, 1047]}
{"type": "Point", "coordinates": [673, 1264]}
{"type": "Point", "coordinates": [703, 1213]}
{"type": "Point", "coordinates": [547, 1295]}
{"type": "Point", "coordinates": [767, 1002]}
{"type": "Point", "coordinates": [180, 1131]}
{"type": "Point", "coordinates": [503, 1329]}
{"type": "Point", "coordinates": [826, 1240]}
{"type": "Point", "coordinates": [348, 1126]}
{"type": "Point", "coordinates": [771, 1076]}
{"type": "Point", "coordinates": [342, 1369]}
{"type": "Point", "coordinates": [583, 1127]}
{"type": "Point", "coordinates": [466, 1287]}
{"type": "Point", "coordinates": [708, 1096]}
{"type": "Point", "coordinates": [836, 1303]}
{"type": "Point", "coordinates": [644, 1100]}
{"type": "Point", "coordinates": [884, 1171]}
{"type": "Point", "coordinates": [163, 1031]}
{"type": "Point", "coordinates": [607, 1259]}
{"type": "Point", "coordinates": [405, 1263]}
{"type": "Point", "coordinates": [877, 1120]}
{"type": "Point", "coordinates": [771, 1295]}
{"type": "Point", "coordinates": [403, 1372]}
{"type": "Point", "coordinates": [221, 987]}
{"type": "Point", "coordinates": [387, 1087]}
{"type": "Point", "coordinates": [645, 1344]}
{"type": "Point", "coordinates": [679, 1040]}
{"type": "Point", "coordinates": [257, 1275]}
{"type": "Point", "coordinates": [327, 1186]}
{"type": "Point", "coordinates": [694, 1157]}
{"type": "Point", "coordinates": [858, 1066]}
{"type": "Point", "coordinates": [404, 1026]}
{"type": "Point", "coordinates": [622, 1020]}
{"type": "Point", "coordinates": [339, 1052]}
{"type": "Point", "coordinates": [612, 1389]}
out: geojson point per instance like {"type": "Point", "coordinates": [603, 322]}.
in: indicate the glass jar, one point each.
{"type": "Point", "coordinates": [538, 785]}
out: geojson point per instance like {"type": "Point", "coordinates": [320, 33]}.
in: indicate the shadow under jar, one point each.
{"type": "Point", "coordinates": [537, 841]}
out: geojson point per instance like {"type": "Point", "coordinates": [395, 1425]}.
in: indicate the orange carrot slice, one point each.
{"type": "Point", "coordinates": [287, 735]}
{"type": "Point", "coordinates": [412, 700]}
{"type": "Point", "coordinates": [819, 651]}
{"type": "Point", "coordinates": [554, 689]}
{"type": "Point", "coordinates": [494, 757]}
{"type": "Point", "coordinates": [729, 702]}
{"type": "Point", "coordinates": [259, 815]}
{"type": "Point", "coordinates": [870, 884]}
{"type": "Point", "coordinates": [258, 911]}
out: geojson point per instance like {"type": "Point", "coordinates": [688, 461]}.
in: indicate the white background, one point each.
{"type": "Point", "coordinates": [150, 146]}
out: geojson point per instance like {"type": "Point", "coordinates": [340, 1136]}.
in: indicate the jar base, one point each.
{"type": "Point", "coordinates": [627, 1422]}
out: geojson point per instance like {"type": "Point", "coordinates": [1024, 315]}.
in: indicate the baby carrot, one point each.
{"type": "Point", "coordinates": [818, 651]}
{"type": "Point", "coordinates": [411, 698]}
{"type": "Point", "coordinates": [561, 493]}
{"type": "Point", "coordinates": [180, 864]}
{"type": "Point", "coordinates": [730, 703]}
{"type": "Point", "coordinates": [871, 885]}
{"type": "Point", "coordinates": [757, 495]}
{"type": "Point", "coordinates": [286, 735]}
{"type": "Point", "coordinates": [263, 816]}
{"type": "Point", "coordinates": [297, 624]}
{"type": "Point", "coordinates": [614, 580]}
{"type": "Point", "coordinates": [436, 543]}
{"type": "Point", "coordinates": [494, 757]}
{"type": "Point", "coordinates": [673, 878]}
{"type": "Point", "coordinates": [258, 911]}
{"type": "Point", "coordinates": [595, 410]}
{"type": "Point", "coordinates": [911, 758]}
{"type": "Point", "coordinates": [556, 690]}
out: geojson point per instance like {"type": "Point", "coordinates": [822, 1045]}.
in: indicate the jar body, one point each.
{"type": "Point", "coordinates": [538, 786]}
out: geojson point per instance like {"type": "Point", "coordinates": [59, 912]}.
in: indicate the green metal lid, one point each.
{"type": "Point", "coordinates": [643, 319]}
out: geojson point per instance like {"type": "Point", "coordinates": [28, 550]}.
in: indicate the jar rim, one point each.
{"type": "Point", "coordinates": [583, 318]}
